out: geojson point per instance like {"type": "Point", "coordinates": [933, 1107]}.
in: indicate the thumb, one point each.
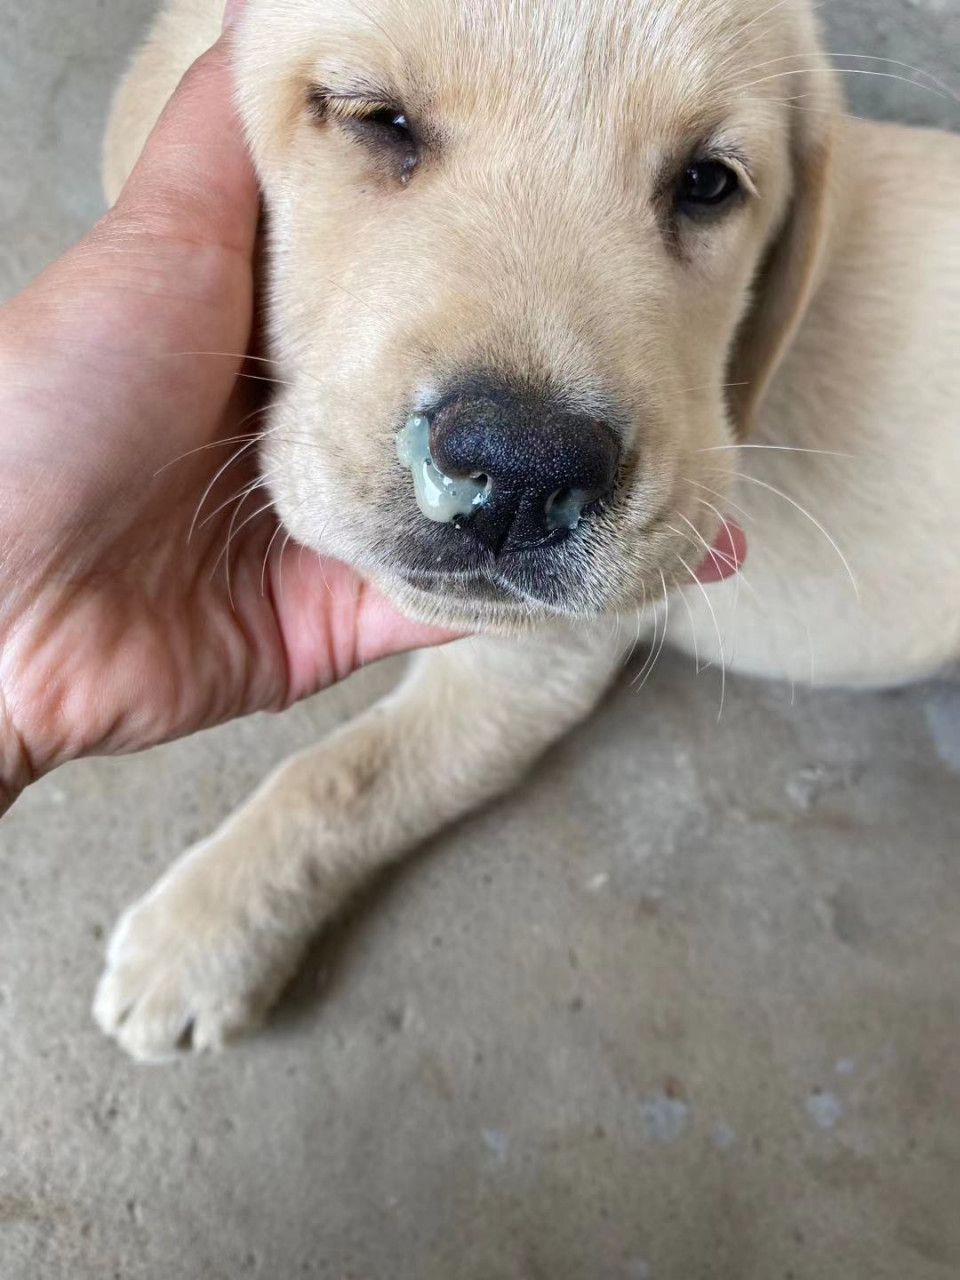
{"type": "Point", "coordinates": [168, 271]}
{"type": "Point", "coordinates": [232, 12]}
{"type": "Point", "coordinates": [195, 181]}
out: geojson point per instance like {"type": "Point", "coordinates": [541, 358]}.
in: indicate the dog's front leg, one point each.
{"type": "Point", "coordinates": [209, 949]}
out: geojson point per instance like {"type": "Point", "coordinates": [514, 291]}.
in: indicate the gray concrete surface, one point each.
{"type": "Point", "coordinates": [711, 1032]}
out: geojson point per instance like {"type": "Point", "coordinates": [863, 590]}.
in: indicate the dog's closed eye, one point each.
{"type": "Point", "coordinates": [376, 122]}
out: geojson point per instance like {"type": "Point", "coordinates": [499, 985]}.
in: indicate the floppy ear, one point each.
{"type": "Point", "coordinates": [792, 266]}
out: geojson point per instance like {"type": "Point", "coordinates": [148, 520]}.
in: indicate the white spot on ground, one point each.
{"type": "Point", "coordinates": [811, 785]}
{"type": "Point", "coordinates": [598, 882]}
{"type": "Point", "coordinates": [846, 1067]}
{"type": "Point", "coordinates": [722, 1136]}
{"type": "Point", "coordinates": [824, 1109]}
{"type": "Point", "coordinates": [665, 1118]}
{"type": "Point", "coordinates": [498, 1144]}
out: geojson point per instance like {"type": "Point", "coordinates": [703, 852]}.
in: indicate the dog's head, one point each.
{"type": "Point", "coordinates": [553, 250]}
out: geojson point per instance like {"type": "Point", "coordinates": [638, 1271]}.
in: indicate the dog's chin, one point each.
{"type": "Point", "coordinates": [468, 603]}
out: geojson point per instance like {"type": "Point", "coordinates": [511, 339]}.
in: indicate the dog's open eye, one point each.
{"type": "Point", "coordinates": [706, 185]}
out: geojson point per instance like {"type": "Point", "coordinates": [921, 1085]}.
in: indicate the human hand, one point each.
{"type": "Point", "coordinates": [118, 628]}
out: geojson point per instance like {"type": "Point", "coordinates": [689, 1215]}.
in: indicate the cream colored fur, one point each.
{"type": "Point", "coordinates": [831, 299]}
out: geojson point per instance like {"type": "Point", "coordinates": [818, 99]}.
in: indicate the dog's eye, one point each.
{"type": "Point", "coordinates": [393, 121]}
{"type": "Point", "coordinates": [705, 185]}
{"type": "Point", "coordinates": [380, 126]}
{"type": "Point", "coordinates": [390, 133]}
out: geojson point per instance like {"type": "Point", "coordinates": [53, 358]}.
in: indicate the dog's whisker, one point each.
{"type": "Point", "coordinates": [706, 386]}
{"type": "Point", "coordinates": [716, 624]}
{"type": "Point", "coordinates": [741, 45]}
{"type": "Point", "coordinates": [797, 102]}
{"type": "Point", "coordinates": [832, 112]}
{"type": "Point", "coordinates": [280, 562]}
{"type": "Point", "coordinates": [234, 355]}
{"type": "Point", "coordinates": [759, 18]}
{"type": "Point", "coordinates": [656, 653]}
{"type": "Point", "coordinates": [809, 516]}
{"type": "Point", "coordinates": [229, 355]}
{"type": "Point", "coordinates": [262, 377]}
{"type": "Point", "coordinates": [321, 564]}
{"type": "Point", "coordinates": [642, 610]}
{"type": "Point", "coordinates": [639, 678]}
{"type": "Point", "coordinates": [742, 577]}
{"type": "Point", "coordinates": [383, 312]}
{"type": "Point", "coordinates": [222, 355]}
{"type": "Point", "coordinates": [253, 437]}
{"type": "Point", "coordinates": [203, 448]}
{"type": "Point", "coordinates": [233, 531]}
{"type": "Point", "coordinates": [617, 626]}
{"type": "Point", "coordinates": [234, 458]}
{"type": "Point", "coordinates": [728, 502]}
{"type": "Point", "coordinates": [718, 557]}
{"type": "Point", "coordinates": [666, 616]}
{"type": "Point", "coordinates": [266, 557]}
{"type": "Point", "coordinates": [258, 482]}
{"type": "Point", "coordinates": [846, 71]}
{"type": "Point", "coordinates": [860, 57]}
{"type": "Point", "coordinates": [775, 448]}
{"type": "Point", "coordinates": [693, 626]}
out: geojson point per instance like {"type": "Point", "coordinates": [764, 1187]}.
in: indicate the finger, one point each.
{"type": "Point", "coordinates": [195, 181]}
{"type": "Point", "coordinates": [332, 622]}
{"type": "Point", "coordinates": [382, 631]}
{"type": "Point", "coordinates": [232, 12]}
{"type": "Point", "coordinates": [122, 323]}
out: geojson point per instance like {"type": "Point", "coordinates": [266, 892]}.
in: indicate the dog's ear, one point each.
{"type": "Point", "coordinates": [791, 268]}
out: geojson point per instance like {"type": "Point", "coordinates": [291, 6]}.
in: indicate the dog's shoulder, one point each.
{"type": "Point", "coordinates": [902, 172]}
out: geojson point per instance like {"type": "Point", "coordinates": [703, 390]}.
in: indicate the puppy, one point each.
{"type": "Point", "coordinates": [607, 271]}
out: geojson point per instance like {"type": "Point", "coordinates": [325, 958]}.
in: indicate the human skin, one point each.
{"type": "Point", "coordinates": [142, 597]}
{"type": "Point", "coordinates": [118, 628]}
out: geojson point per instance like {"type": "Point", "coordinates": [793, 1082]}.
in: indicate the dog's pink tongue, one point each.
{"type": "Point", "coordinates": [726, 556]}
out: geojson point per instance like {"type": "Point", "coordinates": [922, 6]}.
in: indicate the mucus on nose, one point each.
{"type": "Point", "coordinates": [442, 498]}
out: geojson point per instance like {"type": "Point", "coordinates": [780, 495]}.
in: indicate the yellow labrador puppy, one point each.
{"type": "Point", "coordinates": [536, 267]}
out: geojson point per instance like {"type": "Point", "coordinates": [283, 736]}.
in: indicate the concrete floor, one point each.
{"type": "Point", "coordinates": [712, 1032]}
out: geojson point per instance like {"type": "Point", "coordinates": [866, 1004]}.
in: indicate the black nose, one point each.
{"type": "Point", "coordinates": [543, 466]}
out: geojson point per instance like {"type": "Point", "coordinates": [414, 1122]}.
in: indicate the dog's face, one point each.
{"type": "Point", "coordinates": [542, 238]}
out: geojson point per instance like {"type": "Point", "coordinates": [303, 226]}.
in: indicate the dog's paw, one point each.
{"type": "Point", "coordinates": [187, 972]}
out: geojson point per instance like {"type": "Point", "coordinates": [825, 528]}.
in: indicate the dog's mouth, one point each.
{"type": "Point", "coordinates": [473, 587]}
{"type": "Point", "coordinates": [492, 587]}
{"type": "Point", "coordinates": [531, 589]}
